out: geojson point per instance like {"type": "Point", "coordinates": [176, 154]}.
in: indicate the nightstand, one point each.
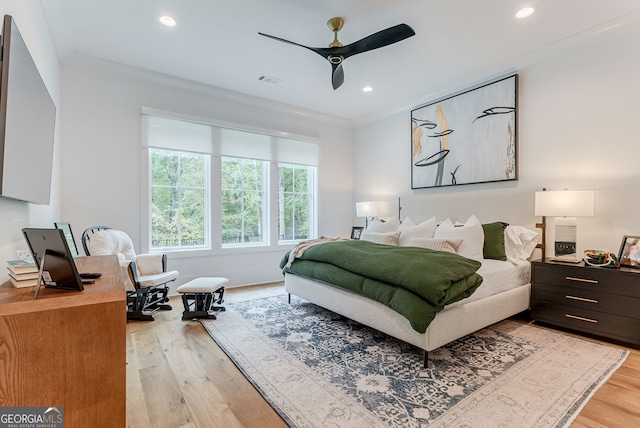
{"type": "Point", "coordinates": [596, 301]}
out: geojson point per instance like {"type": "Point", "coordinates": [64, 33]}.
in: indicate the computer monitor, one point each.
{"type": "Point", "coordinates": [68, 235]}
{"type": "Point", "coordinates": [52, 255]}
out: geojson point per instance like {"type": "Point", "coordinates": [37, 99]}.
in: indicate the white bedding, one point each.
{"type": "Point", "coordinates": [497, 277]}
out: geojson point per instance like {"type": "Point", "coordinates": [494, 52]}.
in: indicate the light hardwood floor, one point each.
{"type": "Point", "coordinates": [178, 377]}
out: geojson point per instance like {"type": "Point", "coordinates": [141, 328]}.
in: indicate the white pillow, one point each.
{"type": "Point", "coordinates": [111, 242]}
{"type": "Point", "coordinates": [385, 238]}
{"type": "Point", "coordinates": [408, 222]}
{"type": "Point", "coordinates": [382, 226]}
{"type": "Point", "coordinates": [471, 233]}
{"type": "Point", "coordinates": [448, 245]}
{"type": "Point", "coordinates": [519, 243]}
{"type": "Point", "coordinates": [408, 231]}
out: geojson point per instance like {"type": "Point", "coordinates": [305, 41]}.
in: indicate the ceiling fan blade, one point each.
{"type": "Point", "coordinates": [377, 40]}
{"type": "Point", "coordinates": [323, 52]}
{"type": "Point", "coordinates": [337, 75]}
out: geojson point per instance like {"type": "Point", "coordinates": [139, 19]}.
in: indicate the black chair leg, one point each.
{"type": "Point", "coordinates": [202, 305]}
{"type": "Point", "coordinates": [157, 297]}
{"type": "Point", "coordinates": [138, 308]}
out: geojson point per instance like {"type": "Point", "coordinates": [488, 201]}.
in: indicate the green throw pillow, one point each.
{"type": "Point", "coordinates": [494, 241]}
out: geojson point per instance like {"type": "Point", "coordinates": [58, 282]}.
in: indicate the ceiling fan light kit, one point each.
{"type": "Point", "coordinates": [336, 53]}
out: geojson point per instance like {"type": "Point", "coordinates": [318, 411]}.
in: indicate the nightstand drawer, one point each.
{"type": "Point", "coordinates": [599, 279]}
{"type": "Point", "coordinates": [590, 300]}
{"type": "Point", "coordinates": [608, 325]}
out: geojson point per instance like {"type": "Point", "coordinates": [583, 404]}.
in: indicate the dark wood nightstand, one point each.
{"type": "Point", "coordinates": [596, 301]}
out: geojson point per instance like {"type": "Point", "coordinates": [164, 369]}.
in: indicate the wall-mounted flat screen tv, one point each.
{"type": "Point", "coordinates": [27, 122]}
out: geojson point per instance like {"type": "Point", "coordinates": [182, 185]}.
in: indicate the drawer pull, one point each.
{"type": "Point", "coordinates": [582, 299]}
{"type": "Point", "coordinates": [581, 318]}
{"type": "Point", "coordinates": [590, 281]}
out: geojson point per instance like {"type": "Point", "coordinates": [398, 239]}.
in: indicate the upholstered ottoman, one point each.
{"type": "Point", "coordinates": [200, 295]}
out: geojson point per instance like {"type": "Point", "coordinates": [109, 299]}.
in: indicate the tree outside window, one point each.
{"type": "Point", "coordinates": [179, 187]}
{"type": "Point", "coordinates": [243, 201]}
{"type": "Point", "coordinates": [295, 201]}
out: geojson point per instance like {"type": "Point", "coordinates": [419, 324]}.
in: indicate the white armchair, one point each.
{"type": "Point", "coordinates": [147, 272]}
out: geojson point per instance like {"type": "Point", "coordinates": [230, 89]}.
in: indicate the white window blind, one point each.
{"type": "Point", "coordinates": [172, 134]}
{"type": "Point", "coordinates": [297, 152]}
{"type": "Point", "coordinates": [177, 134]}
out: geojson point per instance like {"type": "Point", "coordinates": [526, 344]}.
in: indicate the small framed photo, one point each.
{"type": "Point", "coordinates": [630, 252]}
{"type": "Point", "coordinates": [356, 232]}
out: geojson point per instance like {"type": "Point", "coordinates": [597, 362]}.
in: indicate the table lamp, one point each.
{"type": "Point", "coordinates": [367, 209]}
{"type": "Point", "coordinates": [565, 205]}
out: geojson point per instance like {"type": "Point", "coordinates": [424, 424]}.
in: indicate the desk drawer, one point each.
{"type": "Point", "coordinates": [608, 325]}
{"type": "Point", "coordinates": [591, 300]}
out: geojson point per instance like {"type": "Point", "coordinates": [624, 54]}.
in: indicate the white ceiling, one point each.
{"type": "Point", "coordinates": [216, 42]}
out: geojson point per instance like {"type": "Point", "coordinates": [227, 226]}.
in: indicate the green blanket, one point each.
{"type": "Point", "coordinates": [415, 282]}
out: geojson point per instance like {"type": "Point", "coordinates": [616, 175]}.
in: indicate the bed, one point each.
{"type": "Point", "coordinates": [505, 289]}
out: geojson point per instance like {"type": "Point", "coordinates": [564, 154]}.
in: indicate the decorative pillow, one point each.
{"type": "Point", "coordinates": [381, 226]}
{"type": "Point", "coordinates": [448, 245]}
{"type": "Point", "coordinates": [408, 231]}
{"type": "Point", "coordinates": [111, 242]}
{"type": "Point", "coordinates": [408, 222]}
{"type": "Point", "coordinates": [519, 243]}
{"type": "Point", "coordinates": [385, 238]}
{"type": "Point", "coordinates": [494, 241]}
{"type": "Point", "coordinates": [471, 234]}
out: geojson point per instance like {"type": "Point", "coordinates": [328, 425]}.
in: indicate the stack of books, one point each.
{"type": "Point", "coordinates": [22, 274]}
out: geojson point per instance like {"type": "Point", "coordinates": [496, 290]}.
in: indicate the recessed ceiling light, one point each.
{"type": "Point", "coordinates": [367, 89]}
{"type": "Point", "coordinates": [168, 21]}
{"type": "Point", "coordinates": [524, 12]}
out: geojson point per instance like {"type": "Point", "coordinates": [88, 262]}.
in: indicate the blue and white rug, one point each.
{"type": "Point", "coordinates": [318, 369]}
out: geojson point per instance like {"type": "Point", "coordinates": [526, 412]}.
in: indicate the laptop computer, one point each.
{"type": "Point", "coordinates": [52, 256]}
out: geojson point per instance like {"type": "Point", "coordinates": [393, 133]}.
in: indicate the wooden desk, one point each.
{"type": "Point", "coordinates": [67, 348]}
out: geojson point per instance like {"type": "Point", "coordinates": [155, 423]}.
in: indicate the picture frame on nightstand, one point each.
{"type": "Point", "coordinates": [356, 232]}
{"type": "Point", "coordinates": [629, 255]}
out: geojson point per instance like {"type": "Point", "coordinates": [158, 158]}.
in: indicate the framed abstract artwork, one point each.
{"type": "Point", "coordinates": [466, 138]}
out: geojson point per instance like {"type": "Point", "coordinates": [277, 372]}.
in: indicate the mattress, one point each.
{"type": "Point", "coordinates": [498, 277]}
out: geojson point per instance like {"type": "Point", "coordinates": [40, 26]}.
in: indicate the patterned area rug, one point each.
{"type": "Point", "coordinates": [318, 369]}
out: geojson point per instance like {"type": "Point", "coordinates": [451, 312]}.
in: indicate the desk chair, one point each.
{"type": "Point", "coordinates": [147, 272]}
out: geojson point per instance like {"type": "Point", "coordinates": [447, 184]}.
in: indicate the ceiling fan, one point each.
{"type": "Point", "coordinates": [336, 53]}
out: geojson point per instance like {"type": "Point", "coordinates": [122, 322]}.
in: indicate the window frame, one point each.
{"type": "Point", "coordinates": [312, 177]}
{"type": "Point", "coordinates": [207, 204]}
{"type": "Point", "coordinates": [281, 143]}
{"type": "Point", "coordinates": [265, 217]}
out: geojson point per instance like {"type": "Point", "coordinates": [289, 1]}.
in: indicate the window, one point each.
{"type": "Point", "coordinates": [243, 201]}
{"type": "Point", "coordinates": [179, 189]}
{"type": "Point", "coordinates": [296, 184]}
{"type": "Point", "coordinates": [216, 187]}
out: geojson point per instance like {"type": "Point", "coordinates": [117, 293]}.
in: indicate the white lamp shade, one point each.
{"type": "Point", "coordinates": [565, 203]}
{"type": "Point", "coordinates": [367, 209]}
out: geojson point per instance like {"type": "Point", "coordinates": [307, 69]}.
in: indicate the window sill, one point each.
{"type": "Point", "coordinates": [240, 250]}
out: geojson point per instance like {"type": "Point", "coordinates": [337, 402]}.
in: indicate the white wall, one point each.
{"type": "Point", "coordinates": [102, 158]}
{"type": "Point", "coordinates": [15, 215]}
{"type": "Point", "coordinates": [577, 129]}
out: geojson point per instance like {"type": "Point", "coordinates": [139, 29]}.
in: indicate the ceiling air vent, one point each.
{"type": "Point", "coordinates": [267, 79]}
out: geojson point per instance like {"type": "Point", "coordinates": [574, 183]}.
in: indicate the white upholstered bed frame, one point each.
{"type": "Point", "coordinates": [514, 206]}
